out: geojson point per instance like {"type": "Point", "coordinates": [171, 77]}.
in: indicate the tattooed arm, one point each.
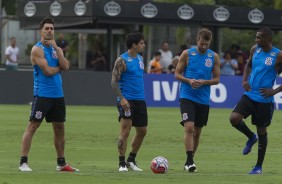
{"type": "Point", "coordinates": [119, 68]}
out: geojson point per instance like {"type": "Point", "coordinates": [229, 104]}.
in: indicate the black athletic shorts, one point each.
{"type": "Point", "coordinates": [138, 113]}
{"type": "Point", "coordinates": [195, 112]}
{"type": "Point", "coordinates": [261, 112]}
{"type": "Point", "coordinates": [52, 109]}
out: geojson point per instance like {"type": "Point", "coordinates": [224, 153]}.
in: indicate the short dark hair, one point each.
{"type": "Point", "coordinates": [205, 34]}
{"type": "Point", "coordinates": [227, 52]}
{"type": "Point", "coordinates": [157, 53]}
{"type": "Point", "coordinates": [133, 38]}
{"type": "Point", "coordinates": [46, 20]}
{"type": "Point", "coordinates": [266, 32]}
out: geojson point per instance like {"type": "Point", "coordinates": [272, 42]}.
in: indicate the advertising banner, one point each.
{"type": "Point", "coordinates": [162, 90]}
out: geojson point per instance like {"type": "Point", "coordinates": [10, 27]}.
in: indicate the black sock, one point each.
{"type": "Point", "coordinates": [242, 127]}
{"type": "Point", "coordinates": [121, 161]}
{"type": "Point", "coordinates": [61, 161]}
{"type": "Point", "coordinates": [23, 160]}
{"type": "Point", "coordinates": [262, 144]}
{"type": "Point", "coordinates": [131, 157]}
{"type": "Point", "coordinates": [190, 156]}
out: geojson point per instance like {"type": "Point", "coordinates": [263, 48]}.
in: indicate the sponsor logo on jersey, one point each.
{"type": "Point", "coordinates": [193, 53]}
{"type": "Point", "coordinates": [273, 53]}
{"type": "Point", "coordinates": [209, 54]}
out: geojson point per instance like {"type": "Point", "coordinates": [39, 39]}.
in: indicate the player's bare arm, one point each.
{"type": "Point", "coordinates": [183, 62]}
{"type": "Point", "coordinates": [267, 92]}
{"type": "Point", "coordinates": [247, 70]}
{"type": "Point", "coordinates": [119, 68]}
{"type": "Point", "coordinates": [37, 58]}
{"type": "Point", "coordinates": [63, 62]}
{"type": "Point", "coordinates": [216, 71]}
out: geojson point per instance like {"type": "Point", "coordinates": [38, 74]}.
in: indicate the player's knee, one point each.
{"type": "Point", "coordinates": [234, 120]}
{"type": "Point", "coordinates": [33, 126]}
{"type": "Point", "coordinates": [189, 128]}
{"type": "Point", "coordinates": [197, 132]}
{"type": "Point", "coordinates": [142, 132]}
{"type": "Point", "coordinates": [125, 133]}
{"type": "Point", "coordinates": [261, 131]}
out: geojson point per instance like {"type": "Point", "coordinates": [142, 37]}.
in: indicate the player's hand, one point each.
{"type": "Point", "coordinates": [193, 83]}
{"type": "Point", "coordinates": [197, 83]}
{"type": "Point", "coordinates": [246, 86]}
{"type": "Point", "coordinates": [52, 42]}
{"type": "Point", "coordinates": [266, 92]}
{"type": "Point", "coordinates": [124, 104]}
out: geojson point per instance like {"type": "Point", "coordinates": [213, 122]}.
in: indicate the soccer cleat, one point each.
{"type": "Point", "coordinates": [122, 168]}
{"type": "Point", "coordinates": [24, 168]}
{"type": "Point", "coordinates": [67, 168]}
{"type": "Point", "coordinates": [256, 170]}
{"type": "Point", "coordinates": [250, 144]}
{"type": "Point", "coordinates": [133, 166]}
{"type": "Point", "coordinates": [190, 168]}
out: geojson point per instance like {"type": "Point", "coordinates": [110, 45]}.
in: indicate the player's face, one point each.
{"type": "Point", "coordinates": [260, 39]}
{"type": "Point", "coordinates": [140, 46]}
{"type": "Point", "coordinates": [47, 32]}
{"type": "Point", "coordinates": [203, 45]}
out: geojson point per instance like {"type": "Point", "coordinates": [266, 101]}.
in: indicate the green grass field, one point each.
{"type": "Point", "coordinates": [91, 134]}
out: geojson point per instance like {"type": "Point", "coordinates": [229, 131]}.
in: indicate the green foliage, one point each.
{"type": "Point", "coordinates": [10, 6]}
{"type": "Point", "coordinates": [245, 38]}
{"type": "Point", "coordinates": [28, 49]}
{"type": "Point", "coordinates": [72, 39]}
{"type": "Point", "coordinates": [277, 4]}
{"type": "Point", "coordinates": [91, 135]}
{"type": "Point", "coordinates": [247, 3]}
{"type": "Point", "coordinates": [207, 2]}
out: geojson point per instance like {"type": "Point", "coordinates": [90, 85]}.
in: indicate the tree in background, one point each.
{"type": "Point", "coordinates": [10, 6]}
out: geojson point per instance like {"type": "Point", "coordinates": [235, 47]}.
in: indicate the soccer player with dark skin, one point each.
{"type": "Point", "coordinates": [260, 72]}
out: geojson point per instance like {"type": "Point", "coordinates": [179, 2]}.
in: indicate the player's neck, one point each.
{"type": "Point", "coordinates": [267, 48]}
{"type": "Point", "coordinates": [44, 43]}
{"type": "Point", "coordinates": [132, 53]}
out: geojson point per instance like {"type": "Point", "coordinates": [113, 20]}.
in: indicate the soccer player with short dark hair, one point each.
{"type": "Point", "coordinates": [127, 82]}
{"type": "Point", "coordinates": [48, 61]}
{"type": "Point", "coordinates": [258, 79]}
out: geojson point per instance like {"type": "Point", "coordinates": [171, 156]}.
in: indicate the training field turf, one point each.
{"type": "Point", "coordinates": [91, 134]}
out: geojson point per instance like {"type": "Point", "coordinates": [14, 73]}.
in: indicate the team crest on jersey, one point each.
{"type": "Point", "coordinates": [184, 116]}
{"type": "Point", "coordinates": [38, 115]}
{"type": "Point", "coordinates": [268, 61]}
{"type": "Point", "coordinates": [141, 65]}
{"type": "Point", "coordinates": [193, 53]}
{"type": "Point", "coordinates": [54, 55]}
{"type": "Point", "coordinates": [273, 53]}
{"type": "Point", "coordinates": [209, 54]}
{"type": "Point", "coordinates": [208, 62]}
